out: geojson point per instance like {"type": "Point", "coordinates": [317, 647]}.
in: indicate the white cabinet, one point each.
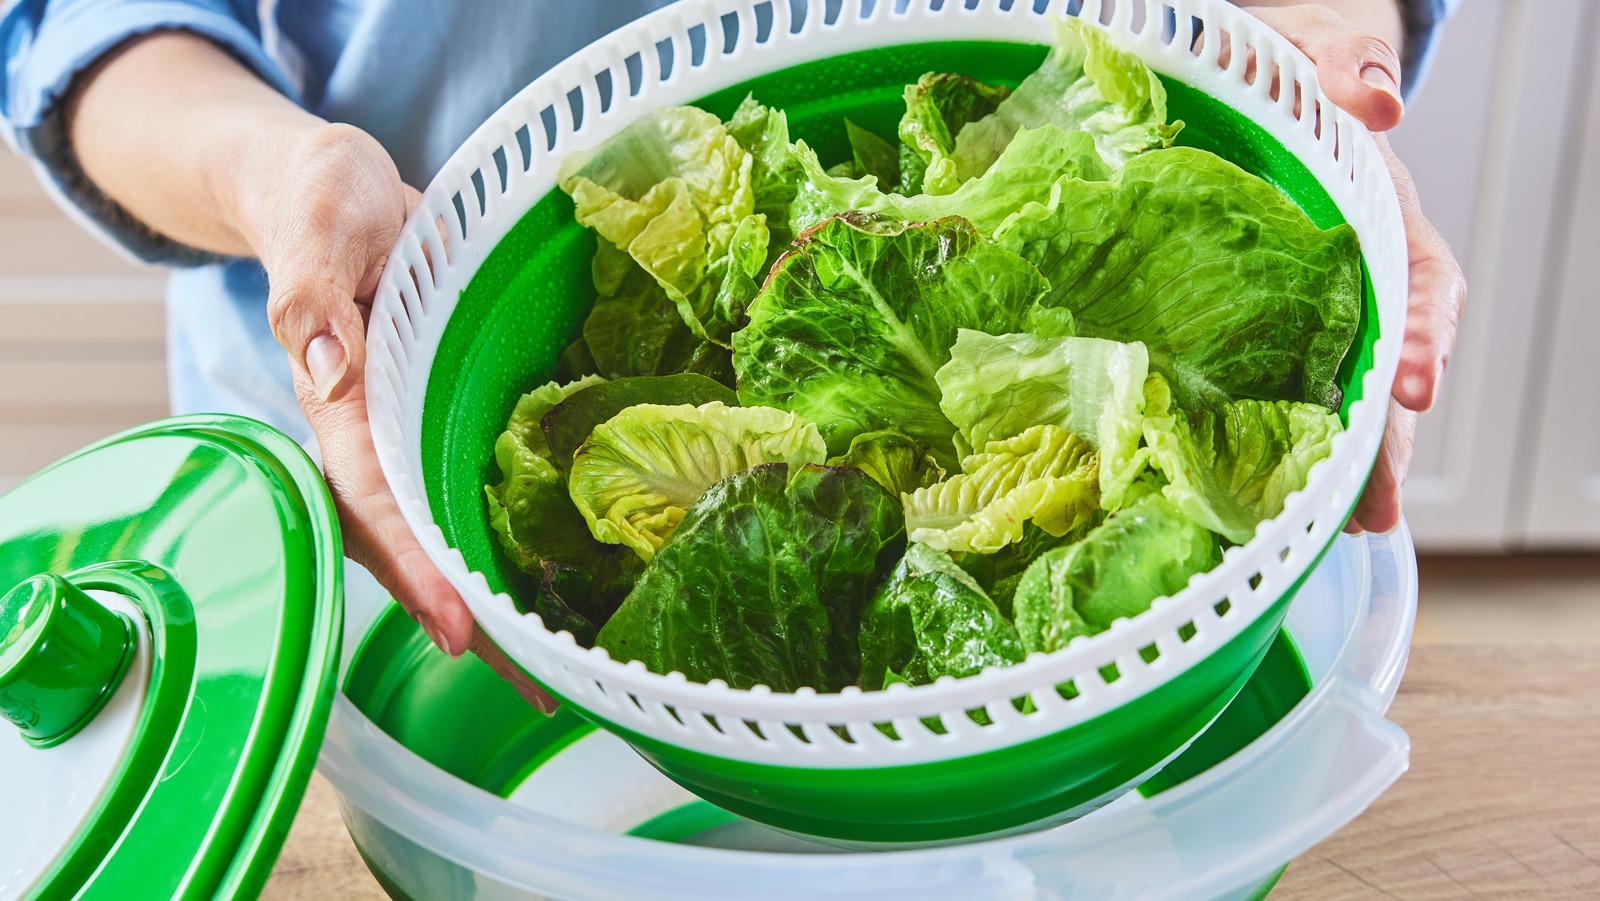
{"type": "Point", "coordinates": [1504, 142]}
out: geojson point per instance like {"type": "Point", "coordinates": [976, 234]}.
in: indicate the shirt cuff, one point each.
{"type": "Point", "coordinates": [68, 41]}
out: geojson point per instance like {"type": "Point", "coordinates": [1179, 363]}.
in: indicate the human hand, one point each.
{"type": "Point", "coordinates": [323, 228]}
{"type": "Point", "coordinates": [1361, 74]}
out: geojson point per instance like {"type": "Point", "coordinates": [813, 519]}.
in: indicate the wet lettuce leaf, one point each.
{"type": "Point", "coordinates": [937, 107]}
{"type": "Point", "coordinates": [1046, 475]}
{"type": "Point", "coordinates": [775, 170]}
{"type": "Point", "coordinates": [1230, 467]}
{"type": "Point", "coordinates": [576, 581]}
{"type": "Point", "coordinates": [1230, 286]}
{"type": "Point", "coordinates": [635, 329]}
{"type": "Point", "coordinates": [1142, 552]}
{"type": "Point", "coordinates": [765, 580]}
{"type": "Point", "coordinates": [872, 155]}
{"type": "Point", "coordinates": [1087, 84]}
{"type": "Point", "coordinates": [853, 325]}
{"type": "Point", "coordinates": [1024, 173]}
{"type": "Point", "coordinates": [998, 573]}
{"type": "Point", "coordinates": [673, 191]}
{"type": "Point", "coordinates": [569, 423]}
{"type": "Point", "coordinates": [894, 461]}
{"type": "Point", "coordinates": [930, 619]}
{"type": "Point", "coordinates": [639, 472]}
{"type": "Point", "coordinates": [995, 387]}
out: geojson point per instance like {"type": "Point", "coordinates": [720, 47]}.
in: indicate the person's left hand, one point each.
{"type": "Point", "coordinates": [1361, 74]}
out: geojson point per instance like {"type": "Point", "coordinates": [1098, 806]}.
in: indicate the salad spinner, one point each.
{"type": "Point", "coordinates": [490, 278]}
{"type": "Point", "coordinates": [169, 666]}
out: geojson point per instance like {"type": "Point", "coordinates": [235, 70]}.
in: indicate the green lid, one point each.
{"type": "Point", "coordinates": [170, 607]}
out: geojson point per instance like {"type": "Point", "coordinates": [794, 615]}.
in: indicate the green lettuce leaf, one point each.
{"type": "Point", "coordinates": [569, 423]}
{"type": "Point", "coordinates": [1087, 84]}
{"type": "Point", "coordinates": [634, 328]}
{"type": "Point", "coordinates": [764, 581]}
{"type": "Point", "coordinates": [872, 155]}
{"type": "Point", "coordinates": [673, 191]}
{"type": "Point", "coordinates": [995, 387]}
{"type": "Point", "coordinates": [576, 580]}
{"type": "Point", "coordinates": [1142, 552]}
{"type": "Point", "coordinates": [1046, 475]}
{"type": "Point", "coordinates": [894, 461]}
{"type": "Point", "coordinates": [1024, 172]}
{"type": "Point", "coordinates": [775, 170]}
{"type": "Point", "coordinates": [1231, 287]}
{"type": "Point", "coordinates": [937, 107]}
{"type": "Point", "coordinates": [1230, 467]}
{"type": "Point", "coordinates": [998, 572]}
{"type": "Point", "coordinates": [853, 325]}
{"type": "Point", "coordinates": [930, 619]}
{"type": "Point", "coordinates": [637, 473]}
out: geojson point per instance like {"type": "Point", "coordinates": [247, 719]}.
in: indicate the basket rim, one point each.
{"type": "Point", "coordinates": [557, 660]}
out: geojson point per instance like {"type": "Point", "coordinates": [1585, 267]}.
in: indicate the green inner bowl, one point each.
{"type": "Point", "coordinates": [529, 298]}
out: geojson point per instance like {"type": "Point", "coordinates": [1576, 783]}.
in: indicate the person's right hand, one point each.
{"type": "Point", "coordinates": [323, 234]}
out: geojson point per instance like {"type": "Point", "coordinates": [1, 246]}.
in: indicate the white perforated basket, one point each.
{"type": "Point", "coordinates": [496, 177]}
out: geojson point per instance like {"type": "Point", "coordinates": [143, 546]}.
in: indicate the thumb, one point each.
{"type": "Point", "coordinates": [318, 323]}
{"type": "Point", "coordinates": [1360, 73]}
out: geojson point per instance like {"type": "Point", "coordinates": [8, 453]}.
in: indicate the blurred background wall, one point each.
{"type": "Point", "coordinates": [1504, 141]}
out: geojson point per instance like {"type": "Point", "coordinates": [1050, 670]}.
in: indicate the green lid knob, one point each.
{"type": "Point", "coordinates": [62, 654]}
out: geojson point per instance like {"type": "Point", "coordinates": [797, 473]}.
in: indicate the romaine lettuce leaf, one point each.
{"type": "Point", "coordinates": [1230, 467]}
{"type": "Point", "coordinates": [930, 619]}
{"type": "Point", "coordinates": [1231, 287]}
{"type": "Point", "coordinates": [894, 461]}
{"type": "Point", "coordinates": [673, 191]}
{"type": "Point", "coordinates": [634, 328]}
{"type": "Point", "coordinates": [995, 387]}
{"type": "Point", "coordinates": [575, 578]}
{"type": "Point", "coordinates": [638, 472]}
{"type": "Point", "coordinates": [1024, 172]}
{"type": "Point", "coordinates": [775, 170]}
{"type": "Point", "coordinates": [853, 325]}
{"type": "Point", "coordinates": [872, 155]}
{"type": "Point", "coordinates": [764, 581]}
{"type": "Point", "coordinates": [1046, 475]}
{"type": "Point", "coordinates": [569, 423]}
{"type": "Point", "coordinates": [1142, 552]}
{"type": "Point", "coordinates": [1086, 84]}
{"type": "Point", "coordinates": [937, 107]}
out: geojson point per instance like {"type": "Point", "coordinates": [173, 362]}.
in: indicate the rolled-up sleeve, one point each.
{"type": "Point", "coordinates": [48, 43]}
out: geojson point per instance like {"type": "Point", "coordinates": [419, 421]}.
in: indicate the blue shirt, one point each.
{"type": "Point", "coordinates": [418, 75]}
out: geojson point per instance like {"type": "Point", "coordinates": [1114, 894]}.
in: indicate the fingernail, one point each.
{"type": "Point", "coordinates": [1378, 77]}
{"type": "Point", "coordinates": [1418, 393]}
{"type": "Point", "coordinates": [433, 634]}
{"type": "Point", "coordinates": [326, 361]}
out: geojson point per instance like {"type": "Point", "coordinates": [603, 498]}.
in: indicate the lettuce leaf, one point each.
{"type": "Point", "coordinates": [764, 581]}
{"type": "Point", "coordinates": [894, 461]}
{"type": "Point", "coordinates": [930, 619]}
{"type": "Point", "coordinates": [1142, 552]}
{"type": "Point", "coordinates": [853, 325]}
{"type": "Point", "coordinates": [638, 473]}
{"type": "Point", "coordinates": [872, 155]}
{"type": "Point", "coordinates": [673, 191]}
{"type": "Point", "coordinates": [1046, 475]}
{"type": "Point", "coordinates": [775, 170]}
{"type": "Point", "coordinates": [1086, 84]}
{"type": "Point", "coordinates": [1229, 468]}
{"type": "Point", "coordinates": [635, 329]}
{"type": "Point", "coordinates": [577, 581]}
{"type": "Point", "coordinates": [569, 423]}
{"type": "Point", "coordinates": [1231, 287]}
{"type": "Point", "coordinates": [1023, 173]}
{"type": "Point", "coordinates": [937, 107]}
{"type": "Point", "coordinates": [995, 387]}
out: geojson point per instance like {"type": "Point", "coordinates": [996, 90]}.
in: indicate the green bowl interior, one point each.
{"type": "Point", "coordinates": [458, 715]}
{"type": "Point", "coordinates": [529, 297]}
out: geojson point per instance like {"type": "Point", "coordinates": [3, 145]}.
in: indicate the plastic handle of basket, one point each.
{"type": "Point", "coordinates": [1379, 658]}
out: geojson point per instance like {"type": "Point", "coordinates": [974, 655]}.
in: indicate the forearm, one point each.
{"type": "Point", "coordinates": [186, 139]}
{"type": "Point", "coordinates": [1382, 19]}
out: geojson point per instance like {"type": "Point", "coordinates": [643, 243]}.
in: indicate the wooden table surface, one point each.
{"type": "Point", "coordinates": [1502, 800]}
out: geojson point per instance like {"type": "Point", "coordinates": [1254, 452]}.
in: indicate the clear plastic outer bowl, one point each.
{"type": "Point", "coordinates": [1222, 834]}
